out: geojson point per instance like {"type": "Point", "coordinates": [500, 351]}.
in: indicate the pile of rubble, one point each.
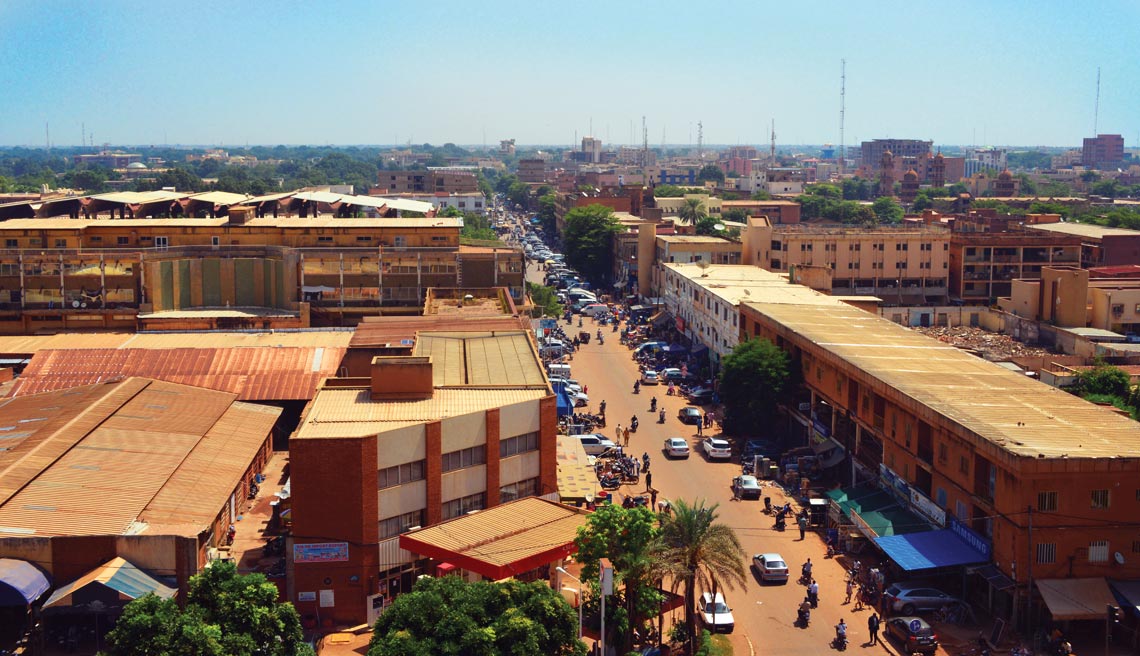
{"type": "Point", "coordinates": [991, 346]}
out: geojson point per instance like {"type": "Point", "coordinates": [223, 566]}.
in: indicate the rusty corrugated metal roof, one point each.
{"type": "Point", "coordinates": [254, 374]}
{"type": "Point", "coordinates": [21, 344]}
{"type": "Point", "coordinates": [133, 456]}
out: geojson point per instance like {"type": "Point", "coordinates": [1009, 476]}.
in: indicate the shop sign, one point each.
{"type": "Point", "coordinates": [895, 484]}
{"type": "Point", "coordinates": [927, 508]}
{"type": "Point", "coordinates": [306, 596]}
{"type": "Point", "coordinates": [863, 527]}
{"type": "Point", "coordinates": [820, 427]}
{"type": "Point", "coordinates": [321, 552]}
{"type": "Point", "coordinates": [970, 537]}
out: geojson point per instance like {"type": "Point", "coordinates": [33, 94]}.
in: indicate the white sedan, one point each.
{"type": "Point", "coordinates": [716, 448]}
{"type": "Point", "coordinates": [676, 447]}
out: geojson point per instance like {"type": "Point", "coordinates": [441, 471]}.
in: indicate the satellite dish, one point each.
{"type": "Point", "coordinates": [718, 226]}
{"type": "Point", "coordinates": [1119, 557]}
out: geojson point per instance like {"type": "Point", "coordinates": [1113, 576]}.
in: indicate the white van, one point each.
{"type": "Point", "coordinates": [596, 309]}
{"type": "Point", "coordinates": [558, 371]}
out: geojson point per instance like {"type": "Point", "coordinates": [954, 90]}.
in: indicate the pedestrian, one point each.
{"type": "Point", "coordinates": [850, 591]}
{"type": "Point", "coordinates": [625, 436]}
{"type": "Point", "coordinates": [802, 521]}
{"type": "Point", "coordinates": [699, 430]}
{"type": "Point", "coordinates": [653, 498]}
{"type": "Point", "coordinates": [636, 468]}
{"type": "Point", "coordinates": [873, 628]}
{"type": "Point", "coordinates": [602, 409]}
{"type": "Point", "coordinates": [648, 481]}
{"type": "Point", "coordinates": [619, 433]}
{"type": "Point", "coordinates": [586, 390]}
{"type": "Point", "coordinates": [813, 592]}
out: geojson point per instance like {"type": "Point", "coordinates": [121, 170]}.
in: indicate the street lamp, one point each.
{"type": "Point", "coordinates": [563, 571]}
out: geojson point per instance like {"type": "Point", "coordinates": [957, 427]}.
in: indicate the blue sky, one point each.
{"type": "Point", "coordinates": [374, 72]}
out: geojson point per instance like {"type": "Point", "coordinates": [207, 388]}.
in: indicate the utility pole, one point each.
{"type": "Point", "coordinates": [773, 147]}
{"type": "Point", "coordinates": [1029, 585]}
{"type": "Point", "coordinates": [842, 112]}
{"type": "Point", "coordinates": [700, 140]}
{"type": "Point", "coordinates": [1096, 104]}
{"type": "Point", "coordinates": [644, 147]}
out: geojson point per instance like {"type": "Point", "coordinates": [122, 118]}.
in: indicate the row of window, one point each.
{"type": "Point", "coordinates": [1098, 500]}
{"type": "Point", "coordinates": [394, 526]}
{"type": "Point", "coordinates": [1097, 553]}
{"type": "Point", "coordinates": [858, 246]}
{"type": "Point", "coordinates": [513, 446]}
{"type": "Point", "coordinates": [469, 457]}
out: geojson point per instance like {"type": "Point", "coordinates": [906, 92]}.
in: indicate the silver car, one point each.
{"type": "Point", "coordinates": [909, 598]}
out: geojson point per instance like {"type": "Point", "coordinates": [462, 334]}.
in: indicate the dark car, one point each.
{"type": "Point", "coordinates": [701, 396]}
{"type": "Point", "coordinates": [689, 416]}
{"type": "Point", "coordinates": [914, 633]}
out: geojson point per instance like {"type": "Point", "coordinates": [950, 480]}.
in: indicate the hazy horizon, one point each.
{"type": "Point", "coordinates": [214, 73]}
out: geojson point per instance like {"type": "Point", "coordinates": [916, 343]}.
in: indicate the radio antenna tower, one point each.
{"type": "Point", "coordinates": [842, 112]}
{"type": "Point", "coordinates": [1096, 104]}
{"type": "Point", "coordinates": [644, 143]}
{"type": "Point", "coordinates": [700, 140]}
{"type": "Point", "coordinates": [773, 150]}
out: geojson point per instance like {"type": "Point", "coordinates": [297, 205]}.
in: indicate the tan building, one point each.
{"type": "Point", "coordinates": [900, 265]}
{"type": "Point", "coordinates": [777, 211]}
{"type": "Point", "coordinates": [468, 421]}
{"type": "Point", "coordinates": [988, 252]}
{"type": "Point", "coordinates": [1066, 297]}
{"type": "Point", "coordinates": [671, 207]}
{"type": "Point", "coordinates": [1100, 245]}
{"type": "Point", "coordinates": [428, 181]}
{"type": "Point", "coordinates": [684, 249]}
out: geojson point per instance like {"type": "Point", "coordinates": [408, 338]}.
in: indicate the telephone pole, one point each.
{"type": "Point", "coordinates": [842, 112]}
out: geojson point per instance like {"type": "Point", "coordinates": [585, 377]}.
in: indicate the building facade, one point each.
{"type": "Point", "coordinates": [428, 182]}
{"type": "Point", "coordinates": [1104, 151]}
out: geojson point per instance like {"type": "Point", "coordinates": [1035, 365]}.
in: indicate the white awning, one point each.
{"type": "Point", "coordinates": [1076, 599]}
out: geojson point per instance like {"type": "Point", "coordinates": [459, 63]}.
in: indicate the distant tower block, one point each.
{"type": "Point", "coordinates": [938, 172]}
{"type": "Point", "coordinates": [1004, 185]}
{"type": "Point", "coordinates": [887, 174]}
{"type": "Point", "coordinates": [909, 187]}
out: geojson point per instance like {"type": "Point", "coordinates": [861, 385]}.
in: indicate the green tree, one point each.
{"type": "Point", "coordinates": [736, 215]}
{"type": "Point", "coordinates": [692, 211]}
{"type": "Point", "coordinates": [760, 194]}
{"type": "Point", "coordinates": [588, 241]}
{"type": "Point", "coordinates": [448, 616]}
{"type": "Point", "coordinates": [1027, 187]}
{"type": "Point", "coordinates": [673, 191]}
{"type": "Point", "coordinates": [225, 613]}
{"type": "Point", "coordinates": [1109, 188]}
{"type": "Point", "coordinates": [922, 202]}
{"type": "Point", "coordinates": [699, 552]}
{"type": "Point", "coordinates": [548, 212]}
{"type": "Point", "coordinates": [826, 190]}
{"type": "Point", "coordinates": [710, 172]}
{"type": "Point", "coordinates": [1090, 176]}
{"type": "Point", "coordinates": [856, 189]}
{"type": "Point", "coordinates": [1104, 379]}
{"type": "Point", "coordinates": [545, 300]}
{"type": "Point", "coordinates": [1047, 208]}
{"type": "Point", "coordinates": [753, 378]}
{"type": "Point", "coordinates": [1055, 190]}
{"type": "Point", "coordinates": [708, 226]}
{"type": "Point", "coordinates": [887, 210]}
{"type": "Point", "coordinates": [626, 536]}
{"type": "Point", "coordinates": [957, 189]}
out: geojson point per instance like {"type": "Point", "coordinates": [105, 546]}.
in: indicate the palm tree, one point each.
{"type": "Point", "coordinates": [696, 551]}
{"type": "Point", "coordinates": [692, 211]}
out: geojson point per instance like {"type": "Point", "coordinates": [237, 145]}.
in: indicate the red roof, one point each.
{"type": "Point", "coordinates": [254, 374]}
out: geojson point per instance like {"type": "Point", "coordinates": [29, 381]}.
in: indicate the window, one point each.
{"type": "Point", "coordinates": [363, 238]}
{"type": "Point", "coordinates": [61, 243]}
{"type": "Point", "coordinates": [1100, 499]}
{"type": "Point", "coordinates": [518, 444]}
{"type": "Point", "coordinates": [470, 457]}
{"type": "Point", "coordinates": [961, 511]}
{"type": "Point", "coordinates": [1136, 546]}
{"type": "Point", "coordinates": [401, 474]}
{"type": "Point", "coordinates": [963, 465]}
{"type": "Point", "coordinates": [943, 452]}
{"type": "Point", "coordinates": [123, 241]}
{"type": "Point", "coordinates": [11, 243]}
{"type": "Point", "coordinates": [1046, 553]}
{"type": "Point", "coordinates": [464, 505]}
{"type": "Point", "coordinates": [324, 240]}
{"type": "Point", "coordinates": [527, 488]}
{"type": "Point", "coordinates": [215, 241]}
{"type": "Point", "coordinates": [161, 242]}
{"type": "Point", "coordinates": [1046, 501]}
{"type": "Point", "coordinates": [940, 497]}
{"type": "Point", "coordinates": [393, 526]}
{"type": "Point", "coordinates": [1098, 551]}
{"type": "Point", "coordinates": [400, 241]}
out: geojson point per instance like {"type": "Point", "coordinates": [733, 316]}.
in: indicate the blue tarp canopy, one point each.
{"type": "Point", "coordinates": [21, 582]}
{"type": "Point", "coordinates": [676, 348]}
{"type": "Point", "coordinates": [115, 583]}
{"type": "Point", "coordinates": [565, 404]}
{"type": "Point", "coordinates": [929, 550]}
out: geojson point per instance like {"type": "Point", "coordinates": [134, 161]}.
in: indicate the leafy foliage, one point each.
{"type": "Point", "coordinates": [1104, 379]}
{"type": "Point", "coordinates": [547, 211]}
{"type": "Point", "coordinates": [225, 613]}
{"type": "Point", "coordinates": [447, 615]}
{"type": "Point", "coordinates": [707, 226]}
{"type": "Point", "coordinates": [588, 240]}
{"type": "Point", "coordinates": [887, 210]}
{"type": "Point", "coordinates": [710, 172]}
{"type": "Point", "coordinates": [692, 211]}
{"type": "Point", "coordinates": [752, 380]}
{"type": "Point", "coordinates": [673, 191]}
{"type": "Point", "coordinates": [545, 301]}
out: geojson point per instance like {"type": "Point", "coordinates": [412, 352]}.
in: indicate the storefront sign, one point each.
{"type": "Point", "coordinates": [863, 527]}
{"type": "Point", "coordinates": [895, 485]}
{"type": "Point", "coordinates": [820, 427]}
{"type": "Point", "coordinates": [328, 598]}
{"type": "Point", "coordinates": [927, 508]}
{"type": "Point", "coordinates": [322, 552]}
{"type": "Point", "coordinates": [306, 596]}
{"type": "Point", "coordinates": [970, 537]}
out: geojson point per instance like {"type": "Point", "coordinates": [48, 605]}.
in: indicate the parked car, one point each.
{"type": "Point", "coordinates": [701, 396]}
{"type": "Point", "coordinates": [569, 384]}
{"type": "Point", "coordinates": [716, 448]}
{"type": "Point", "coordinates": [689, 415]}
{"type": "Point", "coordinates": [649, 378]}
{"type": "Point", "coordinates": [770, 567]}
{"type": "Point", "coordinates": [715, 614]}
{"type": "Point", "coordinates": [746, 487]}
{"type": "Point", "coordinates": [595, 444]}
{"type": "Point", "coordinates": [670, 375]}
{"type": "Point", "coordinates": [676, 447]}
{"type": "Point", "coordinates": [906, 599]}
{"type": "Point", "coordinates": [916, 635]}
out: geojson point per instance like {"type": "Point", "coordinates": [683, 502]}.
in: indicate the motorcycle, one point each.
{"type": "Point", "coordinates": [609, 482]}
{"type": "Point", "coordinates": [779, 526]}
{"type": "Point", "coordinates": [803, 617]}
{"type": "Point", "coordinates": [653, 405]}
{"type": "Point", "coordinates": [633, 424]}
{"type": "Point", "coordinates": [637, 387]}
{"type": "Point", "coordinates": [840, 642]}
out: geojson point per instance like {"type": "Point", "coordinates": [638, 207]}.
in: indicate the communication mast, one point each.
{"type": "Point", "coordinates": [772, 152]}
{"type": "Point", "coordinates": [700, 140]}
{"type": "Point", "coordinates": [842, 112]}
{"type": "Point", "coordinates": [644, 144]}
{"type": "Point", "coordinates": [1096, 104]}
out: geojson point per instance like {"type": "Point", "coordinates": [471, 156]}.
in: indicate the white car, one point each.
{"type": "Point", "coordinates": [594, 443]}
{"type": "Point", "coordinates": [676, 447]}
{"type": "Point", "coordinates": [716, 448]}
{"type": "Point", "coordinates": [715, 614]}
{"type": "Point", "coordinates": [649, 378]}
{"type": "Point", "coordinates": [571, 385]}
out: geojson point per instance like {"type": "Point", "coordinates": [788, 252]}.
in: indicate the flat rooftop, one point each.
{"type": "Point", "coordinates": [696, 239]}
{"type": "Point", "coordinates": [1086, 230]}
{"type": "Point", "coordinates": [735, 283]}
{"type": "Point", "coordinates": [131, 457]}
{"type": "Point", "coordinates": [494, 359]}
{"type": "Point", "coordinates": [321, 221]}
{"type": "Point", "coordinates": [28, 344]}
{"type": "Point", "coordinates": [1017, 414]}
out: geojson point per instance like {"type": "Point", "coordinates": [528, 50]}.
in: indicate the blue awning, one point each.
{"type": "Point", "coordinates": [929, 550]}
{"type": "Point", "coordinates": [21, 582]}
{"type": "Point", "coordinates": [565, 404]}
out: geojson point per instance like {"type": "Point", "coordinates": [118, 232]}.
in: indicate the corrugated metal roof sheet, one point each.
{"type": "Point", "coordinates": [351, 412]}
{"type": "Point", "coordinates": [384, 331]}
{"type": "Point", "coordinates": [1015, 413]}
{"type": "Point", "coordinates": [22, 344]}
{"type": "Point", "coordinates": [103, 457]}
{"type": "Point", "coordinates": [254, 374]}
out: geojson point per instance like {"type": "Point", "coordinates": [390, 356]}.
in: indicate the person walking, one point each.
{"type": "Point", "coordinates": [873, 628]}
{"type": "Point", "coordinates": [850, 590]}
{"type": "Point", "coordinates": [618, 437]}
{"type": "Point", "coordinates": [802, 522]}
{"type": "Point", "coordinates": [648, 481]}
{"type": "Point", "coordinates": [700, 431]}
{"type": "Point", "coordinates": [625, 436]}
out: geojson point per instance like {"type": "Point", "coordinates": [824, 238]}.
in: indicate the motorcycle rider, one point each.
{"type": "Point", "coordinates": [841, 634]}
{"type": "Point", "coordinates": [805, 612]}
{"type": "Point", "coordinates": [653, 405]}
{"type": "Point", "coordinates": [661, 416]}
{"type": "Point", "coordinates": [637, 387]}
{"type": "Point", "coordinates": [633, 422]}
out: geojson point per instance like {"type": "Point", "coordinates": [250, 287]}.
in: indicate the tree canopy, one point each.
{"type": "Point", "coordinates": [752, 380]}
{"type": "Point", "coordinates": [673, 191]}
{"type": "Point", "coordinates": [887, 210]}
{"type": "Point", "coordinates": [448, 616]}
{"type": "Point", "coordinates": [692, 211]}
{"type": "Point", "coordinates": [545, 301]}
{"type": "Point", "coordinates": [587, 241]}
{"type": "Point", "coordinates": [225, 614]}
{"type": "Point", "coordinates": [710, 172]}
{"type": "Point", "coordinates": [708, 226]}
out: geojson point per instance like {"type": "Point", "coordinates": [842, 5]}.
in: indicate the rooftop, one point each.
{"type": "Point", "coordinates": [695, 239]}
{"type": "Point", "coordinates": [29, 344]}
{"type": "Point", "coordinates": [1018, 415]}
{"type": "Point", "coordinates": [321, 221]}
{"type": "Point", "coordinates": [1086, 230]}
{"type": "Point", "coordinates": [124, 458]}
{"type": "Point", "coordinates": [739, 282]}
{"type": "Point", "coordinates": [253, 374]}
{"type": "Point", "coordinates": [500, 359]}
{"type": "Point", "coordinates": [400, 332]}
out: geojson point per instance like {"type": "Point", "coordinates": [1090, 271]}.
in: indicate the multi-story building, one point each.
{"type": "Point", "coordinates": [777, 211]}
{"type": "Point", "coordinates": [988, 252]}
{"type": "Point", "coordinates": [1069, 297]}
{"type": "Point", "coordinates": [428, 181]}
{"type": "Point", "coordinates": [678, 175]}
{"type": "Point", "coordinates": [902, 265]}
{"type": "Point", "coordinates": [467, 422]}
{"type": "Point", "coordinates": [1032, 483]}
{"type": "Point", "coordinates": [532, 170]}
{"type": "Point", "coordinates": [1104, 151]}
{"type": "Point", "coordinates": [506, 147]}
{"type": "Point", "coordinates": [784, 180]}
{"type": "Point", "coordinates": [671, 207]}
{"type": "Point", "coordinates": [1100, 246]}
{"type": "Point", "coordinates": [901, 149]}
{"type": "Point", "coordinates": [232, 272]}
{"type": "Point", "coordinates": [473, 202]}
{"type": "Point", "coordinates": [109, 159]}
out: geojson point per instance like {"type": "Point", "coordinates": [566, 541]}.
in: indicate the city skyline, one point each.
{"type": "Point", "coordinates": [365, 74]}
